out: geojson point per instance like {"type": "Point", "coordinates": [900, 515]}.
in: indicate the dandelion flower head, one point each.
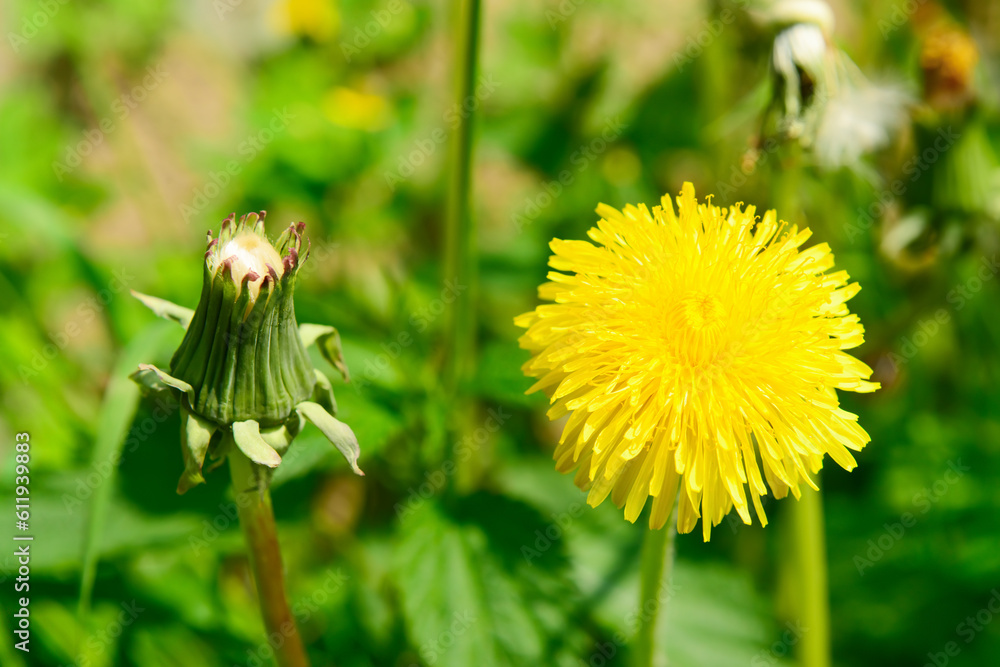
{"type": "Point", "coordinates": [697, 353]}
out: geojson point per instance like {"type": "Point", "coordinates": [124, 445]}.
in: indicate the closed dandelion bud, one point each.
{"type": "Point", "coordinates": [242, 373]}
{"type": "Point", "coordinates": [242, 353]}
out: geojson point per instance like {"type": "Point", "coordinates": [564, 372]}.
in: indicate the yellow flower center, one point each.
{"type": "Point", "coordinates": [694, 330]}
{"type": "Point", "coordinates": [701, 311]}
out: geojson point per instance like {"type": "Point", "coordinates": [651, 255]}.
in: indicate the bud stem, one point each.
{"type": "Point", "coordinates": [257, 520]}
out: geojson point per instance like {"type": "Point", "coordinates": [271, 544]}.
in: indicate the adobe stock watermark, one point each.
{"type": "Point", "coordinates": [775, 308]}
{"type": "Point", "coordinates": [580, 159]}
{"type": "Point", "coordinates": [303, 609]}
{"type": "Point", "coordinates": [898, 17]}
{"type": "Point", "coordinates": [967, 631]}
{"type": "Point", "coordinates": [419, 322]}
{"type": "Point", "coordinates": [223, 7]}
{"type": "Point", "coordinates": [963, 293]}
{"type": "Point", "coordinates": [562, 12]}
{"type": "Point", "coordinates": [31, 25]}
{"type": "Point", "coordinates": [756, 157]}
{"type": "Point", "coordinates": [105, 638]}
{"type": "Point", "coordinates": [777, 652]}
{"type": "Point", "coordinates": [247, 150]}
{"type": "Point", "coordinates": [642, 613]}
{"type": "Point", "coordinates": [545, 539]}
{"type": "Point", "coordinates": [913, 169]}
{"type": "Point", "coordinates": [229, 513]}
{"type": "Point", "coordinates": [734, 521]}
{"type": "Point", "coordinates": [923, 501]}
{"type": "Point", "coordinates": [709, 31]}
{"type": "Point", "coordinates": [86, 312]}
{"type": "Point", "coordinates": [431, 651]}
{"type": "Point", "coordinates": [424, 148]}
{"type": "Point", "coordinates": [908, 347]}
{"type": "Point", "coordinates": [363, 35]}
{"type": "Point", "coordinates": [740, 174]}
{"type": "Point", "coordinates": [320, 254]}
{"type": "Point", "coordinates": [435, 480]}
{"type": "Point", "coordinates": [121, 107]}
{"type": "Point", "coordinates": [102, 470]}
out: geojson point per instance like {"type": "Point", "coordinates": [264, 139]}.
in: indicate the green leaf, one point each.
{"type": "Point", "coordinates": [462, 604]}
{"type": "Point", "coordinates": [175, 580]}
{"type": "Point", "coordinates": [196, 434]}
{"type": "Point", "coordinates": [327, 340]}
{"type": "Point", "coordinates": [603, 552]}
{"type": "Point", "coordinates": [117, 410]}
{"type": "Point", "coordinates": [80, 642]}
{"type": "Point", "coordinates": [247, 437]}
{"type": "Point", "coordinates": [62, 498]}
{"type": "Point", "coordinates": [166, 309]}
{"type": "Point", "coordinates": [707, 597]}
{"type": "Point", "coordinates": [171, 645]}
{"type": "Point", "coordinates": [336, 431]}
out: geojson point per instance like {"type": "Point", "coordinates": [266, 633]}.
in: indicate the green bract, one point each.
{"type": "Point", "coordinates": [242, 374]}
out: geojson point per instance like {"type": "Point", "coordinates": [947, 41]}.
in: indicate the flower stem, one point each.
{"type": "Point", "coordinates": [656, 568]}
{"type": "Point", "coordinates": [460, 255]}
{"type": "Point", "coordinates": [809, 539]}
{"type": "Point", "coordinates": [257, 520]}
{"type": "Point", "coordinates": [810, 551]}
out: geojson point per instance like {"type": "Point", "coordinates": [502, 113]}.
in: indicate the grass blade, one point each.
{"type": "Point", "coordinates": [121, 399]}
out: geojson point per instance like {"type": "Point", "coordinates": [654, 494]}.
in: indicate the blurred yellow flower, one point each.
{"type": "Point", "coordinates": [318, 19]}
{"type": "Point", "coordinates": [948, 58]}
{"type": "Point", "coordinates": [682, 346]}
{"type": "Point", "coordinates": [359, 111]}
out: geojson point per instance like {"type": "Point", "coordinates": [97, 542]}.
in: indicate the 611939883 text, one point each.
{"type": "Point", "coordinates": [22, 546]}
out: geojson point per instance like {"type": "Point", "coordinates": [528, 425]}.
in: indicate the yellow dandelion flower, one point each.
{"type": "Point", "coordinates": [682, 346]}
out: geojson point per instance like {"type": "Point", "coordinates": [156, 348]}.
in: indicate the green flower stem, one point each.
{"type": "Point", "coordinates": [460, 255]}
{"type": "Point", "coordinates": [810, 557]}
{"type": "Point", "coordinates": [257, 520]}
{"type": "Point", "coordinates": [656, 568]}
{"type": "Point", "coordinates": [809, 538]}
{"type": "Point", "coordinates": [461, 260]}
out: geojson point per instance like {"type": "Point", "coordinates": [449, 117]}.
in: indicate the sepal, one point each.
{"type": "Point", "coordinates": [247, 436]}
{"type": "Point", "coordinates": [327, 340]}
{"type": "Point", "coordinates": [152, 378]}
{"type": "Point", "coordinates": [196, 435]}
{"type": "Point", "coordinates": [336, 431]}
{"type": "Point", "coordinates": [323, 393]}
{"type": "Point", "coordinates": [166, 309]}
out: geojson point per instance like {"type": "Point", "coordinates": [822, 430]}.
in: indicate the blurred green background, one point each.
{"type": "Point", "coordinates": [128, 129]}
